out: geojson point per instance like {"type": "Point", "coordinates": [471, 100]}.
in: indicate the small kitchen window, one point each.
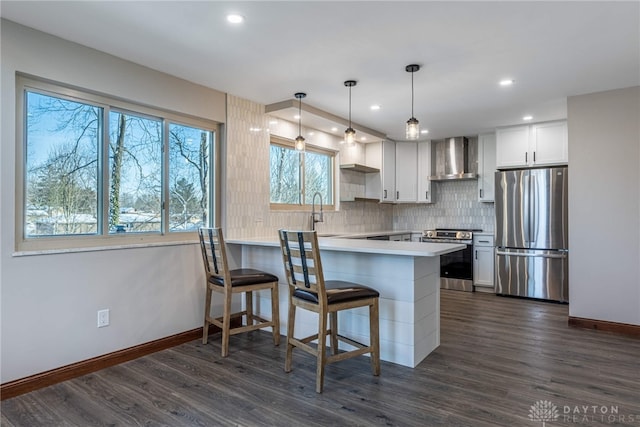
{"type": "Point", "coordinates": [94, 171]}
{"type": "Point", "coordinates": [295, 176]}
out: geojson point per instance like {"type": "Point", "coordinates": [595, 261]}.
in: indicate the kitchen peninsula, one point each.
{"type": "Point", "coordinates": [407, 275]}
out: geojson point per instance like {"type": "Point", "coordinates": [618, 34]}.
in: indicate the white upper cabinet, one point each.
{"type": "Point", "coordinates": [539, 144]}
{"type": "Point", "coordinates": [413, 167]}
{"type": "Point", "coordinates": [406, 171]}
{"type": "Point", "coordinates": [486, 167]}
{"type": "Point", "coordinates": [424, 171]}
{"type": "Point", "coordinates": [388, 172]}
{"type": "Point", "coordinates": [512, 146]}
{"type": "Point", "coordinates": [381, 186]}
{"type": "Point", "coordinates": [550, 143]}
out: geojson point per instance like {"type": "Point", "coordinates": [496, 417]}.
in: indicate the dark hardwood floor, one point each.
{"type": "Point", "coordinates": [499, 359]}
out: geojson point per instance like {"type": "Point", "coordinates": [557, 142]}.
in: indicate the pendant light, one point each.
{"type": "Point", "coordinates": [413, 126]}
{"type": "Point", "coordinates": [300, 138]}
{"type": "Point", "coordinates": [350, 133]}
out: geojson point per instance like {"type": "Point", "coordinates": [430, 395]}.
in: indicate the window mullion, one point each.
{"type": "Point", "coordinates": [103, 175]}
{"type": "Point", "coordinates": [165, 197]}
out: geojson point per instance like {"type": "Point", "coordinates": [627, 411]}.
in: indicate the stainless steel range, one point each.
{"type": "Point", "coordinates": [456, 268]}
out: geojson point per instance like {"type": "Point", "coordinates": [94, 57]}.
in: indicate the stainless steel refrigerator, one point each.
{"type": "Point", "coordinates": [532, 252]}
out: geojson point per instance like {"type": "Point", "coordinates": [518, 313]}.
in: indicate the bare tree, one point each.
{"type": "Point", "coordinates": [64, 181]}
{"type": "Point", "coordinates": [194, 167]}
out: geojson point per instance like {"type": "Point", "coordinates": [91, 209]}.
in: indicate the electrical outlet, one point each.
{"type": "Point", "coordinates": [103, 318]}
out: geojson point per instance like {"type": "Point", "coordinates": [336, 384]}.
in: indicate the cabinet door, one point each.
{"type": "Point", "coordinates": [549, 143]}
{"type": "Point", "coordinates": [373, 181]}
{"type": "Point", "coordinates": [483, 262]}
{"type": "Point", "coordinates": [388, 172]}
{"type": "Point", "coordinates": [486, 167]}
{"type": "Point", "coordinates": [424, 171]}
{"type": "Point", "coordinates": [406, 171]}
{"type": "Point", "coordinates": [512, 145]}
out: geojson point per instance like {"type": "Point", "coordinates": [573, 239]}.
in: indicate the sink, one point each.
{"type": "Point", "coordinates": [328, 235]}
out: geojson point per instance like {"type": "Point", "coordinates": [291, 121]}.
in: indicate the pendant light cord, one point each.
{"type": "Point", "coordinates": [299, 116]}
{"type": "Point", "coordinates": [349, 106]}
{"type": "Point", "coordinates": [412, 94]}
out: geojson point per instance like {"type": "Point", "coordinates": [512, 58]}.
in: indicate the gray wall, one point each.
{"type": "Point", "coordinates": [604, 205]}
{"type": "Point", "coordinates": [49, 302]}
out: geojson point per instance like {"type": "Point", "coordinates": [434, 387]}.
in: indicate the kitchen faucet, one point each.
{"type": "Point", "coordinates": [313, 211]}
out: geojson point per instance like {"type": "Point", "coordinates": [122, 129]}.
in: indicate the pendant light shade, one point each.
{"type": "Point", "coordinates": [300, 139]}
{"type": "Point", "coordinates": [350, 133]}
{"type": "Point", "coordinates": [413, 126]}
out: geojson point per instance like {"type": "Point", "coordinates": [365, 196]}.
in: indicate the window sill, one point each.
{"type": "Point", "coordinates": [36, 252]}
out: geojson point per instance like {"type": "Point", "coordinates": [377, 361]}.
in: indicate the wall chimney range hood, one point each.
{"type": "Point", "coordinates": [454, 159]}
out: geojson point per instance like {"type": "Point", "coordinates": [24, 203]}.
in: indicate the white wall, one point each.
{"type": "Point", "coordinates": [49, 302]}
{"type": "Point", "coordinates": [604, 206]}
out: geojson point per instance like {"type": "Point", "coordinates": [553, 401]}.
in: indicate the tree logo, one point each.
{"type": "Point", "coordinates": [543, 410]}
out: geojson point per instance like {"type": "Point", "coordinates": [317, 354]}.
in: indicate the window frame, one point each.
{"type": "Point", "coordinates": [103, 239]}
{"type": "Point", "coordinates": [303, 207]}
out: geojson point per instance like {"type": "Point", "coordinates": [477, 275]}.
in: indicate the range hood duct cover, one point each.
{"type": "Point", "coordinates": [454, 159]}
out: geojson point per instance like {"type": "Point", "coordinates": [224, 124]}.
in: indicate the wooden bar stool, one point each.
{"type": "Point", "coordinates": [228, 282]}
{"type": "Point", "coordinates": [309, 290]}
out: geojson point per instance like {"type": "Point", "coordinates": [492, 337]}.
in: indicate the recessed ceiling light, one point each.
{"type": "Point", "coordinates": [273, 122]}
{"type": "Point", "coordinates": [297, 116]}
{"type": "Point", "coordinates": [527, 118]}
{"type": "Point", "coordinates": [424, 131]}
{"type": "Point", "coordinates": [334, 129]}
{"type": "Point", "coordinates": [235, 18]}
{"type": "Point", "coordinates": [310, 133]}
{"type": "Point", "coordinates": [364, 138]}
{"type": "Point", "coordinates": [375, 107]}
{"type": "Point", "coordinates": [507, 82]}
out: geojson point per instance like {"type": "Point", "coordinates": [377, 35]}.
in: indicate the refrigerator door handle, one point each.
{"type": "Point", "coordinates": [530, 254]}
{"type": "Point", "coordinates": [526, 208]}
{"type": "Point", "coordinates": [533, 194]}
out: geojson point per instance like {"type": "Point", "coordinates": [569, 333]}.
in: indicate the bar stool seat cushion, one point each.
{"type": "Point", "coordinates": [338, 291]}
{"type": "Point", "coordinates": [245, 277]}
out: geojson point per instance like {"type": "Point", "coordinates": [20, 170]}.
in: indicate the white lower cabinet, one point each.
{"type": "Point", "coordinates": [483, 262]}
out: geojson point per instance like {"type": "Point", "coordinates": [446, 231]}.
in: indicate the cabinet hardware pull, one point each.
{"type": "Point", "coordinates": [481, 193]}
{"type": "Point", "coordinates": [534, 157]}
{"type": "Point", "coordinates": [525, 157]}
{"type": "Point", "coordinates": [397, 195]}
{"type": "Point", "coordinates": [476, 254]}
{"type": "Point", "coordinates": [385, 194]}
{"type": "Point", "coordinates": [426, 195]}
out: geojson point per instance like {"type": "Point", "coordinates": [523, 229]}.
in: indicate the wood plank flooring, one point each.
{"type": "Point", "coordinates": [498, 357]}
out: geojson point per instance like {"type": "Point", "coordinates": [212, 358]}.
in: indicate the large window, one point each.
{"type": "Point", "coordinates": [94, 168]}
{"type": "Point", "coordinates": [296, 176]}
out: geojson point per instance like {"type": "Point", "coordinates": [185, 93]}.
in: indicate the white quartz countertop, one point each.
{"type": "Point", "coordinates": [418, 249]}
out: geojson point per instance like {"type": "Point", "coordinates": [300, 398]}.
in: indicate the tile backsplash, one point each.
{"type": "Point", "coordinates": [455, 204]}
{"type": "Point", "coordinates": [247, 210]}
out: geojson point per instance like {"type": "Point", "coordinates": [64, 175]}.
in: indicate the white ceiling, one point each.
{"type": "Point", "coordinates": [552, 49]}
